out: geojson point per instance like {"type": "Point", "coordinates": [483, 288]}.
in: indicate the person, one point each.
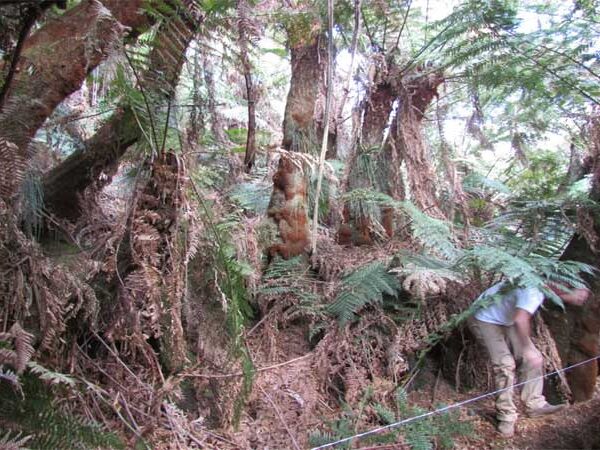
{"type": "Point", "coordinates": [504, 329]}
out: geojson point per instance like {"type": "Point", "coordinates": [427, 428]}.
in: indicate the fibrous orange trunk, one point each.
{"type": "Point", "coordinates": [289, 203]}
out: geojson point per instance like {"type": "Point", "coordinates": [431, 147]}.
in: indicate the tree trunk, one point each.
{"type": "Point", "coordinates": [364, 165]}
{"type": "Point", "coordinates": [577, 332]}
{"type": "Point", "coordinates": [56, 59]}
{"type": "Point", "coordinates": [29, 18]}
{"type": "Point", "coordinates": [152, 266]}
{"type": "Point", "coordinates": [289, 205]}
{"type": "Point", "coordinates": [216, 123]}
{"type": "Point", "coordinates": [394, 184]}
{"type": "Point", "coordinates": [414, 98]}
{"type": "Point", "coordinates": [243, 40]}
{"type": "Point", "coordinates": [101, 154]}
{"type": "Point", "coordinates": [197, 126]}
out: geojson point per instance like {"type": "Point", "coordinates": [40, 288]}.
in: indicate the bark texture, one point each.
{"type": "Point", "coordinates": [364, 165]}
{"type": "Point", "coordinates": [216, 121]}
{"type": "Point", "coordinates": [577, 332]}
{"type": "Point", "coordinates": [56, 59]}
{"type": "Point", "coordinates": [415, 97]}
{"type": "Point", "coordinates": [288, 206]}
{"type": "Point", "coordinates": [153, 266]}
{"type": "Point", "coordinates": [243, 40]}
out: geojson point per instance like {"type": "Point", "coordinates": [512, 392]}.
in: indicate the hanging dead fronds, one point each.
{"type": "Point", "coordinates": [39, 292]}
{"type": "Point", "coordinates": [22, 343]}
{"type": "Point", "coordinates": [13, 165]}
{"type": "Point", "coordinates": [152, 288]}
{"type": "Point", "coordinates": [416, 93]}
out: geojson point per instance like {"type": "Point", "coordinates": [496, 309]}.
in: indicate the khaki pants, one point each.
{"type": "Point", "coordinates": [505, 350]}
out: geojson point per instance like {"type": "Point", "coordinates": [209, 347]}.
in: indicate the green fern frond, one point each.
{"type": "Point", "coordinates": [253, 196]}
{"type": "Point", "coordinates": [36, 414]}
{"type": "Point", "coordinates": [385, 415]}
{"type": "Point", "coordinates": [518, 271]}
{"type": "Point", "coordinates": [50, 376]}
{"type": "Point", "coordinates": [366, 285]}
{"type": "Point", "coordinates": [434, 234]}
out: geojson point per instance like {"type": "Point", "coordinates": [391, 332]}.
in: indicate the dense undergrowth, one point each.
{"type": "Point", "coordinates": [154, 295]}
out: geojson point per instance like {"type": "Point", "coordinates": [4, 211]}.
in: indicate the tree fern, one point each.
{"type": "Point", "coordinates": [433, 234]}
{"type": "Point", "coordinates": [366, 285]}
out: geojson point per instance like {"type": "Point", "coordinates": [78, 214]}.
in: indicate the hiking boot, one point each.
{"type": "Point", "coordinates": [506, 429]}
{"type": "Point", "coordinates": [545, 410]}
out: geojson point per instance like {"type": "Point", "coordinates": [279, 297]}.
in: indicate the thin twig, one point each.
{"type": "Point", "coordinates": [315, 221]}
{"type": "Point", "coordinates": [117, 357]}
{"type": "Point", "coordinates": [240, 374]}
{"type": "Point", "coordinates": [219, 437]}
{"type": "Point", "coordinates": [278, 412]}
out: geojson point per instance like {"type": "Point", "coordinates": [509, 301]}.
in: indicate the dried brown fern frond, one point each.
{"type": "Point", "coordinates": [16, 442]}
{"type": "Point", "coordinates": [151, 294]}
{"type": "Point", "coordinates": [23, 348]}
{"type": "Point", "coordinates": [13, 166]}
{"type": "Point", "coordinates": [36, 286]}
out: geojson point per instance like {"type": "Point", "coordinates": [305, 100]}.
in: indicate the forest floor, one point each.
{"type": "Point", "coordinates": [294, 389]}
{"type": "Point", "coordinates": [575, 427]}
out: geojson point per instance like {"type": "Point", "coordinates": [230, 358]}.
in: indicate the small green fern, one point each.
{"type": "Point", "coordinates": [435, 431]}
{"type": "Point", "coordinates": [366, 285]}
{"type": "Point", "coordinates": [230, 282]}
{"type": "Point", "coordinates": [34, 413]}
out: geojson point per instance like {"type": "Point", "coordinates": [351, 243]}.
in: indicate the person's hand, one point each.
{"type": "Point", "coordinates": [533, 357]}
{"type": "Point", "coordinates": [575, 296]}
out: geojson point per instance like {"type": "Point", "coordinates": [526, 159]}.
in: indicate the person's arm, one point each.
{"type": "Point", "coordinates": [522, 323]}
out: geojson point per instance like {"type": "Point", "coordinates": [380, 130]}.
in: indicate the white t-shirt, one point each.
{"type": "Point", "coordinates": [502, 312]}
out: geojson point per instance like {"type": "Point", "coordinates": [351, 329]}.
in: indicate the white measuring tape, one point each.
{"type": "Point", "coordinates": [449, 407]}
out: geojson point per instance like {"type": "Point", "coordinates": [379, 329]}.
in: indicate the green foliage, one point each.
{"type": "Point", "coordinates": [475, 182]}
{"type": "Point", "coordinates": [253, 197]}
{"type": "Point", "coordinates": [434, 431]}
{"type": "Point", "coordinates": [525, 76]}
{"type": "Point", "coordinates": [237, 135]}
{"type": "Point", "coordinates": [366, 285]}
{"type": "Point", "coordinates": [433, 234]}
{"type": "Point", "coordinates": [365, 185]}
{"type": "Point", "coordinates": [541, 177]}
{"type": "Point", "coordinates": [301, 27]}
{"type": "Point", "coordinates": [230, 282]}
{"type": "Point", "coordinates": [213, 7]}
{"type": "Point", "coordinates": [35, 413]}
{"type": "Point", "coordinates": [291, 276]}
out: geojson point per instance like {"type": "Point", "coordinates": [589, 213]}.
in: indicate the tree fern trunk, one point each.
{"type": "Point", "coordinates": [216, 121]}
{"type": "Point", "coordinates": [577, 332]}
{"type": "Point", "coordinates": [415, 97]}
{"type": "Point", "coordinates": [364, 167]}
{"type": "Point", "coordinates": [243, 40]}
{"type": "Point", "coordinates": [288, 205]}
